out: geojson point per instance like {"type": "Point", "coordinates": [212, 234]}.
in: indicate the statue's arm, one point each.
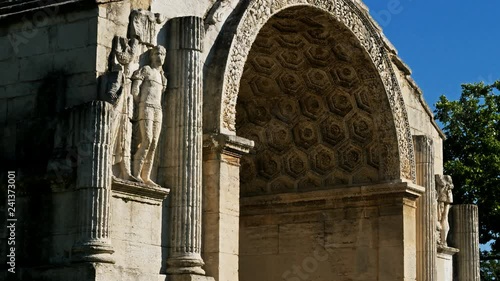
{"type": "Point", "coordinates": [136, 89]}
{"type": "Point", "coordinates": [137, 79]}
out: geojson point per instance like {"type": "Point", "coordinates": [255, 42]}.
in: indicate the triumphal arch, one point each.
{"type": "Point", "coordinates": [220, 140]}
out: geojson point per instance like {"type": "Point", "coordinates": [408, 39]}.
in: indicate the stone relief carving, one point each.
{"type": "Point", "coordinates": [217, 12]}
{"type": "Point", "coordinates": [143, 26]}
{"type": "Point", "coordinates": [444, 196]}
{"type": "Point", "coordinates": [148, 85]}
{"type": "Point", "coordinates": [315, 107]}
{"type": "Point", "coordinates": [125, 61]}
{"type": "Point", "coordinates": [348, 13]}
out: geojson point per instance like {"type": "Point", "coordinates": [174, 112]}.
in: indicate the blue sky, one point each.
{"type": "Point", "coordinates": [445, 43]}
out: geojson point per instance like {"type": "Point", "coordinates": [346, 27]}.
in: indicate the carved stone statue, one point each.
{"type": "Point", "coordinates": [148, 85]}
{"type": "Point", "coordinates": [444, 186]}
{"type": "Point", "coordinates": [143, 26]}
{"type": "Point", "coordinates": [125, 51]}
{"type": "Point", "coordinates": [125, 61]}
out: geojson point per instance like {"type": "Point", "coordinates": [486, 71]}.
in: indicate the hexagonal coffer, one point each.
{"type": "Point", "coordinates": [351, 157]}
{"type": "Point", "coordinates": [333, 131]}
{"type": "Point", "coordinates": [312, 106]}
{"type": "Point", "coordinates": [361, 127]}
{"type": "Point", "coordinates": [322, 159]}
{"type": "Point", "coordinates": [340, 103]}
{"type": "Point", "coordinates": [305, 134]}
{"type": "Point", "coordinates": [279, 136]}
{"type": "Point", "coordinates": [268, 165]}
{"type": "Point", "coordinates": [296, 163]}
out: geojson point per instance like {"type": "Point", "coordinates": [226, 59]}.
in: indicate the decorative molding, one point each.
{"type": "Point", "coordinates": [329, 198]}
{"type": "Point", "coordinates": [141, 190]}
{"type": "Point", "coordinates": [228, 144]}
{"type": "Point", "coordinates": [447, 250]}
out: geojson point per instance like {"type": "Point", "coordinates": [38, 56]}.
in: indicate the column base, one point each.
{"type": "Point", "coordinates": [189, 277]}
{"type": "Point", "coordinates": [188, 264]}
{"type": "Point", "coordinates": [93, 252]}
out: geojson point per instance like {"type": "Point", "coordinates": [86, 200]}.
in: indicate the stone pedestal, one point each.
{"type": "Point", "coordinates": [221, 208]}
{"type": "Point", "coordinates": [184, 144]}
{"type": "Point", "coordinates": [445, 263]}
{"type": "Point", "coordinates": [426, 209]}
{"type": "Point", "coordinates": [93, 182]}
{"type": "Point", "coordinates": [465, 237]}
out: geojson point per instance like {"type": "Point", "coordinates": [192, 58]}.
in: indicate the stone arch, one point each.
{"type": "Point", "coordinates": [223, 82]}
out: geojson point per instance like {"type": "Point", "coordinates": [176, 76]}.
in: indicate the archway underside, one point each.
{"type": "Point", "coordinates": [313, 102]}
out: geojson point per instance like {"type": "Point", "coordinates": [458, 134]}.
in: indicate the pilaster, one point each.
{"type": "Point", "coordinates": [426, 210]}
{"type": "Point", "coordinates": [221, 210]}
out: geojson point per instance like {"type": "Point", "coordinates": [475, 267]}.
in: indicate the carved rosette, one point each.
{"type": "Point", "coordinates": [349, 14]}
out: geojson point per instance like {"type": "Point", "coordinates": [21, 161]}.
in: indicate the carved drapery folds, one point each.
{"type": "Point", "coordinates": [444, 196]}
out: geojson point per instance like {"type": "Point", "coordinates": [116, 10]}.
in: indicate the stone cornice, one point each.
{"type": "Point", "coordinates": [15, 7]}
{"type": "Point", "coordinates": [447, 250]}
{"type": "Point", "coordinates": [139, 190]}
{"type": "Point", "coordinates": [328, 198]}
{"type": "Point", "coordinates": [228, 144]}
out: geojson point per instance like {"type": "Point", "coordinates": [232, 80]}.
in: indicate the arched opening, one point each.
{"type": "Point", "coordinates": [315, 105]}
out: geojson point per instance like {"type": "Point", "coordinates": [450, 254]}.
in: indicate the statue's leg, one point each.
{"type": "Point", "coordinates": [445, 224]}
{"type": "Point", "coordinates": [148, 165]}
{"type": "Point", "coordinates": [140, 156]}
{"type": "Point", "coordinates": [127, 142]}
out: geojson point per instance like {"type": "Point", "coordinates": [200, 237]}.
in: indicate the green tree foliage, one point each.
{"type": "Point", "coordinates": [490, 270]}
{"type": "Point", "coordinates": [472, 157]}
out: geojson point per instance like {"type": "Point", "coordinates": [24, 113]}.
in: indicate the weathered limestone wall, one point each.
{"type": "Point", "coordinates": [138, 236]}
{"type": "Point", "coordinates": [371, 237]}
{"type": "Point", "coordinates": [420, 115]}
{"type": "Point", "coordinates": [41, 43]}
{"type": "Point", "coordinates": [51, 60]}
{"type": "Point", "coordinates": [47, 63]}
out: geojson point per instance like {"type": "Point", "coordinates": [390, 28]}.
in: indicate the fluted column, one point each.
{"type": "Point", "coordinates": [426, 210]}
{"type": "Point", "coordinates": [465, 237]}
{"type": "Point", "coordinates": [93, 183]}
{"type": "Point", "coordinates": [184, 144]}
